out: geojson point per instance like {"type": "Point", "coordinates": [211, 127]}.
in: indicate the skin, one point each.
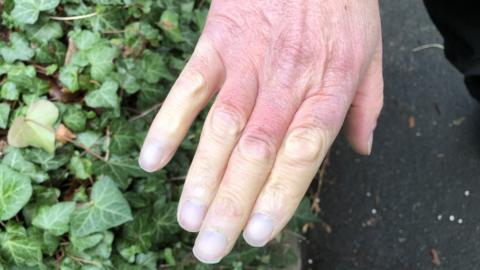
{"type": "Point", "coordinates": [287, 75]}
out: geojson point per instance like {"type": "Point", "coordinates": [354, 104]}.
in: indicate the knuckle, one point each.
{"type": "Point", "coordinates": [228, 121]}
{"type": "Point", "coordinates": [305, 146]}
{"type": "Point", "coordinates": [191, 86]}
{"type": "Point", "coordinates": [257, 146]}
{"type": "Point", "coordinates": [278, 196]}
{"type": "Point", "coordinates": [203, 180]}
{"type": "Point", "coordinates": [229, 205]}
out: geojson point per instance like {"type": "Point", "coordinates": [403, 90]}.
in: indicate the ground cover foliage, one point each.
{"type": "Point", "coordinates": [80, 81]}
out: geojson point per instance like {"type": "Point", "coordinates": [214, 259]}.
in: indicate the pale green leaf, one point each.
{"type": "Point", "coordinates": [36, 128]}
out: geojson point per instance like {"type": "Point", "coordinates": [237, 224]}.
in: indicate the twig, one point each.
{"type": "Point", "coordinates": [82, 261]}
{"type": "Point", "coordinates": [70, 51]}
{"type": "Point", "coordinates": [177, 178]}
{"type": "Point", "coordinates": [73, 18]}
{"type": "Point", "coordinates": [147, 112]}
{"type": "Point", "coordinates": [86, 149]}
{"type": "Point", "coordinates": [428, 46]}
{"type": "Point", "coordinates": [107, 144]}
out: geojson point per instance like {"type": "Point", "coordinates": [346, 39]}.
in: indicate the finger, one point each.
{"type": "Point", "coordinates": [309, 137]}
{"type": "Point", "coordinates": [365, 109]}
{"type": "Point", "coordinates": [221, 131]}
{"type": "Point", "coordinates": [248, 168]}
{"type": "Point", "coordinates": [200, 79]}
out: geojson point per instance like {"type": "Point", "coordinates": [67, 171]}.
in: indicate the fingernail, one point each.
{"type": "Point", "coordinates": [191, 215]}
{"type": "Point", "coordinates": [370, 144]}
{"type": "Point", "coordinates": [210, 247]}
{"type": "Point", "coordinates": [151, 156]}
{"type": "Point", "coordinates": [259, 230]}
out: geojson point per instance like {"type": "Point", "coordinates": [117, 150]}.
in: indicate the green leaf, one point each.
{"type": "Point", "coordinates": [85, 242]}
{"type": "Point", "coordinates": [69, 78]}
{"type": "Point", "coordinates": [105, 97]}
{"type": "Point", "coordinates": [101, 61]}
{"type": "Point", "coordinates": [27, 11]}
{"type": "Point", "coordinates": [119, 168]}
{"type": "Point", "coordinates": [15, 160]}
{"type": "Point", "coordinates": [169, 24]}
{"type": "Point", "coordinates": [55, 219]}
{"type": "Point", "coordinates": [75, 118]}
{"type": "Point", "coordinates": [46, 32]}
{"type": "Point", "coordinates": [15, 191]}
{"type": "Point", "coordinates": [35, 129]}
{"type": "Point", "coordinates": [19, 49]}
{"type": "Point", "coordinates": [4, 114]}
{"type": "Point", "coordinates": [21, 249]}
{"type": "Point", "coordinates": [80, 167]}
{"type": "Point", "coordinates": [9, 91]}
{"type": "Point", "coordinates": [123, 137]}
{"type": "Point", "coordinates": [107, 209]}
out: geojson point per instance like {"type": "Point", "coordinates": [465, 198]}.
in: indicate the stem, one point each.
{"type": "Point", "coordinates": [86, 149]}
{"type": "Point", "coordinates": [147, 112]}
{"type": "Point", "coordinates": [73, 18]}
{"type": "Point", "coordinates": [428, 46]}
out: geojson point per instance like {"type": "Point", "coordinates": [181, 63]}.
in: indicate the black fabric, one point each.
{"type": "Point", "coordinates": [459, 23]}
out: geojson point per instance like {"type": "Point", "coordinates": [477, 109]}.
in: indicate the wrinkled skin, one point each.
{"type": "Point", "coordinates": [288, 74]}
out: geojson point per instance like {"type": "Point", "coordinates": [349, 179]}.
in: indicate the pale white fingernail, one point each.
{"type": "Point", "coordinates": [259, 230]}
{"type": "Point", "coordinates": [210, 247]}
{"type": "Point", "coordinates": [151, 156]}
{"type": "Point", "coordinates": [191, 215]}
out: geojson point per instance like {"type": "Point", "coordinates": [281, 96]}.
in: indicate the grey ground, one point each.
{"type": "Point", "coordinates": [417, 176]}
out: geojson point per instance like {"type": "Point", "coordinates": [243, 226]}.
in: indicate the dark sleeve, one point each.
{"type": "Point", "coordinates": [459, 23]}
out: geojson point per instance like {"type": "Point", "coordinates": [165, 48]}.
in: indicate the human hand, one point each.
{"type": "Point", "coordinates": [288, 74]}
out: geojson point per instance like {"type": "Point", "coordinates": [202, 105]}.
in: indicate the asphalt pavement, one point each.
{"type": "Point", "coordinates": [415, 202]}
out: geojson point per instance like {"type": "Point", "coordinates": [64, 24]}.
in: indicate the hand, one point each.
{"type": "Point", "coordinates": [287, 73]}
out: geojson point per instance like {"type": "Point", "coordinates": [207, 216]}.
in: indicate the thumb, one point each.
{"type": "Point", "coordinates": [367, 104]}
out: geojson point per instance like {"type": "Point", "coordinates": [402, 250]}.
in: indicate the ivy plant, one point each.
{"type": "Point", "coordinates": [80, 82]}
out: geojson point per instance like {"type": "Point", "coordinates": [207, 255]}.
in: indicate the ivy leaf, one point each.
{"type": "Point", "coordinates": [105, 97]}
{"type": "Point", "coordinates": [101, 61]}
{"type": "Point", "coordinates": [119, 168]}
{"type": "Point", "coordinates": [85, 242]}
{"type": "Point", "coordinates": [4, 114]}
{"type": "Point", "coordinates": [169, 24]}
{"type": "Point", "coordinates": [80, 167]}
{"type": "Point", "coordinates": [107, 209]}
{"type": "Point", "coordinates": [75, 118]}
{"type": "Point", "coordinates": [35, 129]}
{"type": "Point", "coordinates": [123, 137]}
{"type": "Point", "coordinates": [21, 249]}
{"type": "Point", "coordinates": [15, 160]}
{"type": "Point", "coordinates": [15, 192]}
{"type": "Point", "coordinates": [27, 11]}
{"type": "Point", "coordinates": [19, 49]}
{"type": "Point", "coordinates": [69, 78]}
{"type": "Point", "coordinates": [9, 91]}
{"type": "Point", "coordinates": [43, 33]}
{"type": "Point", "coordinates": [55, 219]}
